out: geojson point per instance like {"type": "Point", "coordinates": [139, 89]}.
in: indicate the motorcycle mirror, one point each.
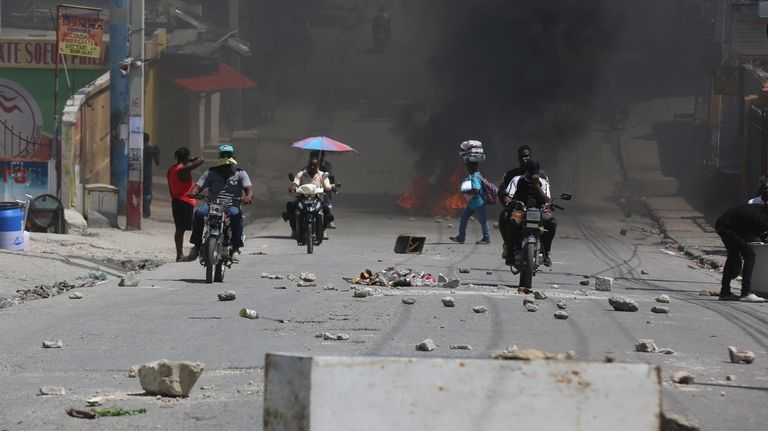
{"type": "Point", "coordinates": [566, 196]}
{"type": "Point", "coordinates": [291, 177]}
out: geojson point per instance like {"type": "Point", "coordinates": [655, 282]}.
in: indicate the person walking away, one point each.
{"type": "Point", "coordinates": [738, 227]}
{"type": "Point", "coordinates": [309, 175]}
{"type": "Point", "coordinates": [180, 183]}
{"type": "Point", "coordinates": [224, 180]}
{"type": "Point", "coordinates": [471, 187]}
{"type": "Point", "coordinates": [532, 191]}
{"type": "Point", "coordinates": [524, 153]}
{"type": "Point", "coordinates": [151, 156]}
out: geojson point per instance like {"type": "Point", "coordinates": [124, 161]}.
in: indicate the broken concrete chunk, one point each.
{"type": "Point", "coordinates": [442, 279]}
{"type": "Point", "coordinates": [95, 401]}
{"type": "Point", "coordinates": [730, 377]}
{"type": "Point", "coordinates": [129, 280]}
{"type": "Point", "coordinates": [584, 282]}
{"type": "Point", "coordinates": [603, 284]}
{"type": "Point", "coordinates": [342, 337]}
{"type": "Point", "coordinates": [329, 287]}
{"type": "Point", "coordinates": [464, 270]}
{"type": "Point", "coordinates": [739, 356]}
{"type": "Point", "coordinates": [528, 300]}
{"type": "Point", "coordinates": [460, 347]}
{"type": "Point", "coordinates": [52, 390]}
{"type": "Point", "coordinates": [539, 295]}
{"type": "Point", "coordinates": [682, 378]}
{"type": "Point", "coordinates": [622, 304]}
{"type": "Point", "coordinates": [561, 305]}
{"type": "Point", "coordinates": [169, 379]}
{"type": "Point", "coordinates": [291, 277]}
{"type": "Point", "coordinates": [666, 351]}
{"type": "Point", "coordinates": [363, 293]}
{"type": "Point", "coordinates": [643, 272]}
{"type": "Point", "coordinates": [53, 344]}
{"type": "Point", "coordinates": [324, 335]}
{"type": "Point", "coordinates": [308, 276]}
{"type": "Point", "coordinates": [531, 307]}
{"type": "Point", "coordinates": [479, 309]}
{"type": "Point", "coordinates": [264, 275]}
{"type": "Point", "coordinates": [227, 296]}
{"type": "Point", "coordinates": [133, 371]}
{"type": "Point", "coordinates": [306, 284]}
{"type": "Point", "coordinates": [664, 299]}
{"type": "Point", "coordinates": [561, 315]}
{"type": "Point", "coordinates": [248, 313]}
{"type": "Point", "coordinates": [660, 310]}
{"type": "Point", "coordinates": [448, 301]}
{"type": "Point", "coordinates": [75, 295]}
{"type": "Point", "coordinates": [452, 284]}
{"type": "Point", "coordinates": [409, 301]}
{"type": "Point", "coordinates": [646, 346]}
{"type": "Point", "coordinates": [675, 422]}
{"type": "Point", "coordinates": [529, 355]}
{"type": "Point", "coordinates": [426, 346]}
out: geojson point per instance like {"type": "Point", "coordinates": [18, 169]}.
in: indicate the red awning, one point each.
{"type": "Point", "coordinates": [226, 78]}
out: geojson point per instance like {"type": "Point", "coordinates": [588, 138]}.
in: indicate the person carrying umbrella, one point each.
{"type": "Point", "coordinates": [309, 175]}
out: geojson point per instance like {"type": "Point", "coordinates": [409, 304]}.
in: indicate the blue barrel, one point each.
{"type": "Point", "coordinates": [11, 226]}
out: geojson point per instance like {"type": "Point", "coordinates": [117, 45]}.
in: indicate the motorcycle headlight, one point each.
{"type": "Point", "coordinates": [517, 216]}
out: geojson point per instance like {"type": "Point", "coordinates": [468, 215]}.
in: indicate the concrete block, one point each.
{"type": "Point", "coordinates": [379, 393]}
{"type": "Point", "coordinates": [603, 284]}
{"type": "Point", "coordinates": [760, 275]}
{"type": "Point", "coordinates": [74, 221]}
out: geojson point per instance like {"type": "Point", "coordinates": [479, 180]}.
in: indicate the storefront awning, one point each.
{"type": "Point", "coordinates": [225, 78]}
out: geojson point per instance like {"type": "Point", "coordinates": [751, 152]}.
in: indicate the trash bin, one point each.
{"type": "Point", "coordinates": [11, 226]}
{"type": "Point", "coordinates": [101, 198]}
{"type": "Point", "coordinates": [760, 274]}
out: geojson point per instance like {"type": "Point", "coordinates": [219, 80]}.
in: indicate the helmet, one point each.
{"type": "Point", "coordinates": [226, 149]}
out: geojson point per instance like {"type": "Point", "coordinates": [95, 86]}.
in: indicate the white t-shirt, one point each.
{"type": "Point", "coordinates": [512, 187]}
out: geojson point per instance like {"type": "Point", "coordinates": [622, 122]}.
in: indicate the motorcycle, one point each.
{"type": "Point", "coordinates": [216, 249]}
{"type": "Point", "coordinates": [310, 220]}
{"type": "Point", "coordinates": [528, 257]}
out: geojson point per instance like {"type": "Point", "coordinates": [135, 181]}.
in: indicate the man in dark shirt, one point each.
{"type": "Point", "coordinates": [524, 154]}
{"type": "Point", "coordinates": [737, 227]}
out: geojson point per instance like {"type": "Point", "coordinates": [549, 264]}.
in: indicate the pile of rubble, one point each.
{"type": "Point", "coordinates": [398, 277]}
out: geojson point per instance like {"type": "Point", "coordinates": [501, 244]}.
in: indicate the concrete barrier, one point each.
{"type": "Point", "coordinates": [380, 393]}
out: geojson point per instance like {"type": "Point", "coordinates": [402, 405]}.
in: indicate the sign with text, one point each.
{"type": "Point", "coordinates": [80, 35]}
{"type": "Point", "coordinates": [39, 54]}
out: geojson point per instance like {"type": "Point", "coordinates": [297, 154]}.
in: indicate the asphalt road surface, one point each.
{"type": "Point", "coordinates": [174, 315]}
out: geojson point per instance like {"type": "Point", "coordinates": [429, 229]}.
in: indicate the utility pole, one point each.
{"type": "Point", "coordinates": [136, 122]}
{"type": "Point", "coordinates": [119, 104]}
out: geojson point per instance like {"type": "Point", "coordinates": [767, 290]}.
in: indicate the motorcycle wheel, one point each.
{"type": "Point", "coordinates": [309, 239]}
{"type": "Point", "coordinates": [213, 257]}
{"type": "Point", "coordinates": [530, 255]}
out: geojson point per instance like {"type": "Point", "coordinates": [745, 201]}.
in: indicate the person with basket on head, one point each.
{"type": "Point", "coordinates": [473, 189]}
{"type": "Point", "coordinates": [223, 181]}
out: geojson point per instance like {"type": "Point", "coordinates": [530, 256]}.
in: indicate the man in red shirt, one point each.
{"type": "Point", "coordinates": [180, 182]}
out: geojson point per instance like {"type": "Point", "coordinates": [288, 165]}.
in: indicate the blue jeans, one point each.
{"type": "Point", "coordinates": [482, 217]}
{"type": "Point", "coordinates": [235, 220]}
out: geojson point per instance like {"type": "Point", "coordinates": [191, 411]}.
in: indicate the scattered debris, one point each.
{"type": "Point", "coordinates": [330, 337]}
{"type": "Point", "coordinates": [135, 265]}
{"type": "Point", "coordinates": [682, 378]}
{"type": "Point", "coordinates": [449, 226]}
{"type": "Point", "coordinates": [513, 353]}
{"type": "Point", "coordinates": [306, 284]}
{"type": "Point", "coordinates": [307, 276]}
{"type": "Point", "coordinates": [609, 357]}
{"type": "Point", "coordinates": [555, 286]}
{"type": "Point", "coordinates": [227, 296]}
{"type": "Point", "coordinates": [603, 284]}
{"type": "Point", "coordinates": [460, 347]}
{"type": "Point", "coordinates": [531, 307]}
{"type": "Point", "coordinates": [442, 279]}
{"type": "Point", "coordinates": [584, 282]}
{"type": "Point", "coordinates": [363, 293]}
{"type": "Point", "coordinates": [75, 295]}
{"type": "Point", "coordinates": [524, 290]}
{"type": "Point", "coordinates": [133, 372]}
{"type": "Point", "coordinates": [448, 301]}
{"type": "Point", "coordinates": [426, 346]}
{"type": "Point", "coordinates": [52, 390]}
{"type": "Point", "coordinates": [488, 272]}
{"type": "Point", "coordinates": [170, 379]}
{"type": "Point", "coordinates": [258, 253]}
{"type": "Point", "coordinates": [479, 309]}
{"type": "Point", "coordinates": [561, 315]}
{"type": "Point", "coordinates": [249, 314]}
{"type": "Point", "coordinates": [409, 301]}
{"type": "Point", "coordinates": [730, 377]}
{"type": "Point", "coordinates": [666, 351]}
{"type": "Point", "coordinates": [53, 344]}
{"type": "Point", "coordinates": [561, 305]}
{"type": "Point", "coordinates": [739, 356]}
{"type": "Point", "coordinates": [264, 275]}
{"type": "Point", "coordinates": [663, 299]}
{"type": "Point", "coordinates": [528, 301]}
{"type": "Point", "coordinates": [623, 232]}
{"type": "Point", "coordinates": [281, 287]}
{"type": "Point", "coordinates": [329, 287]}
{"type": "Point", "coordinates": [452, 284]}
{"type": "Point", "coordinates": [643, 272]}
{"type": "Point", "coordinates": [622, 304]}
{"type": "Point", "coordinates": [660, 310]}
{"type": "Point", "coordinates": [291, 277]}
{"type": "Point", "coordinates": [646, 346]}
{"type": "Point", "coordinates": [97, 275]}
{"type": "Point", "coordinates": [129, 280]}
{"type": "Point", "coordinates": [539, 295]}
{"type": "Point", "coordinates": [105, 411]}
{"type": "Point", "coordinates": [95, 401]}
{"type": "Point", "coordinates": [708, 293]}
{"type": "Point", "coordinates": [464, 270]}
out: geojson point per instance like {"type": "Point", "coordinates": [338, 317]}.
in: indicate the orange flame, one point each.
{"type": "Point", "coordinates": [411, 198]}
{"type": "Point", "coordinates": [418, 199]}
{"type": "Point", "coordinates": [452, 201]}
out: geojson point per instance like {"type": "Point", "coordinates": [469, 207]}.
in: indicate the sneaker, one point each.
{"type": "Point", "coordinates": [193, 254]}
{"type": "Point", "coordinates": [236, 256]}
{"type": "Point", "coordinates": [331, 225]}
{"type": "Point", "coordinates": [546, 261]}
{"type": "Point", "coordinates": [751, 298]}
{"type": "Point", "coordinates": [728, 297]}
{"type": "Point", "coordinates": [484, 241]}
{"type": "Point", "coordinates": [456, 239]}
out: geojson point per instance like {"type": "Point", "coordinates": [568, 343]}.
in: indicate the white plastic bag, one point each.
{"type": "Point", "coordinates": [466, 186]}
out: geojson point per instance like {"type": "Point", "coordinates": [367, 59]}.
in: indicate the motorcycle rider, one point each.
{"type": "Point", "coordinates": [326, 167]}
{"type": "Point", "coordinates": [223, 181]}
{"type": "Point", "coordinates": [523, 154]}
{"type": "Point", "coordinates": [311, 174]}
{"type": "Point", "coordinates": [532, 191]}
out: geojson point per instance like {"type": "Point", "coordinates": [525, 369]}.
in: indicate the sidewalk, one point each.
{"type": "Point", "coordinates": [640, 154]}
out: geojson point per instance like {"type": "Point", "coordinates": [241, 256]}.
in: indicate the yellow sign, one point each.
{"type": "Point", "coordinates": [81, 35]}
{"type": "Point", "coordinates": [39, 54]}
